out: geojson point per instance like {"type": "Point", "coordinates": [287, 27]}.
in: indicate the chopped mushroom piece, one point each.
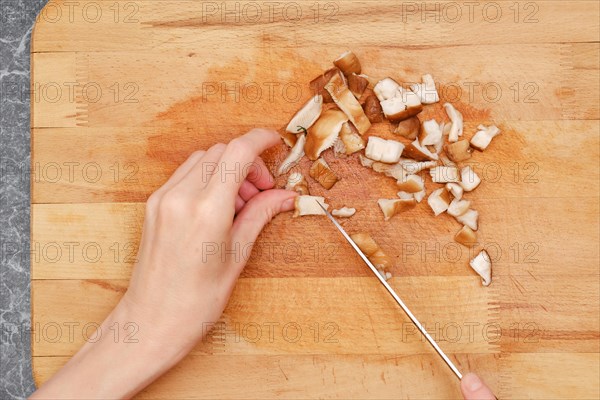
{"type": "Point", "coordinates": [348, 63]}
{"type": "Point", "coordinates": [426, 90]}
{"type": "Point", "coordinates": [387, 151]}
{"type": "Point", "coordinates": [357, 84]}
{"type": "Point", "coordinates": [469, 219]}
{"type": "Point", "coordinates": [404, 105]}
{"type": "Point", "coordinates": [456, 129]}
{"type": "Point", "coordinates": [484, 136]}
{"type": "Point", "coordinates": [419, 196]}
{"type": "Point", "coordinates": [409, 128]}
{"type": "Point", "coordinates": [469, 180]}
{"type": "Point", "coordinates": [406, 195]}
{"type": "Point", "coordinates": [289, 138]}
{"type": "Point", "coordinates": [317, 85]}
{"type": "Point", "coordinates": [392, 170]}
{"type": "Point", "coordinates": [351, 139]}
{"type": "Point", "coordinates": [411, 184]}
{"type": "Point", "coordinates": [414, 167]}
{"type": "Point", "coordinates": [307, 115]}
{"type": "Point", "coordinates": [443, 174]}
{"type": "Point", "coordinates": [466, 236]}
{"type": "Point", "coordinates": [439, 200]}
{"type": "Point", "coordinates": [386, 89]}
{"type": "Point", "coordinates": [297, 183]}
{"type": "Point", "coordinates": [455, 189]}
{"type": "Point", "coordinates": [395, 206]}
{"type": "Point", "coordinates": [372, 107]}
{"type": "Point", "coordinates": [293, 157]}
{"type": "Point", "coordinates": [447, 162]}
{"type": "Point", "coordinates": [458, 151]}
{"type": "Point", "coordinates": [458, 207]}
{"type": "Point", "coordinates": [419, 153]}
{"type": "Point", "coordinates": [321, 172]}
{"type": "Point", "coordinates": [365, 162]}
{"type": "Point", "coordinates": [323, 134]}
{"type": "Point", "coordinates": [344, 212]}
{"type": "Point", "coordinates": [371, 249]}
{"type": "Point", "coordinates": [431, 134]}
{"type": "Point", "coordinates": [307, 205]}
{"type": "Point", "coordinates": [482, 264]}
{"type": "Point", "coordinates": [346, 101]}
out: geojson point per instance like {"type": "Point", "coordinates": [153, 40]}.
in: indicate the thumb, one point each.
{"type": "Point", "coordinates": [259, 211]}
{"type": "Point", "coordinates": [473, 388]}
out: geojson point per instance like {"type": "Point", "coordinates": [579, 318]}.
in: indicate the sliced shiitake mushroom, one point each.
{"type": "Point", "coordinates": [289, 139]}
{"type": "Point", "coordinates": [456, 129]}
{"type": "Point", "coordinates": [469, 180]}
{"type": "Point", "coordinates": [395, 206]}
{"type": "Point", "coordinates": [307, 205]}
{"type": "Point", "coordinates": [348, 63]}
{"type": "Point", "coordinates": [414, 167]}
{"type": "Point", "coordinates": [346, 101]}
{"type": "Point", "coordinates": [387, 151]}
{"type": "Point", "coordinates": [297, 183]}
{"type": "Point", "coordinates": [455, 189]}
{"type": "Point", "coordinates": [294, 156]}
{"type": "Point", "coordinates": [386, 89]}
{"type": "Point", "coordinates": [439, 200]}
{"type": "Point", "coordinates": [409, 128]}
{"type": "Point", "coordinates": [466, 236]}
{"type": "Point", "coordinates": [357, 84]}
{"type": "Point", "coordinates": [458, 151]}
{"type": "Point", "coordinates": [443, 174]}
{"type": "Point", "coordinates": [306, 116]}
{"type": "Point", "coordinates": [371, 249]}
{"type": "Point", "coordinates": [458, 207]}
{"type": "Point", "coordinates": [317, 85]}
{"type": "Point", "coordinates": [482, 264]}
{"type": "Point", "coordinates": [426, 90]}
{"type": "Point", "coordinates": [411, 184]}
{"type": "Point", "coordinates": [323, 134]}
{"type": "Point", "coordinates": [482, 139]}
{"type": "Point", "coordinates": [322, 173]}
{"type": "Point", "coordinates": [469, 218]}
{"type": "Point", "coordinates": [372, 107]}
{"type": "Point", "coordinates": [365, 162]}
{"type": "Point", "coordinates": [344, 212]}
{"type": "Point", "coordinates": [392, 170]}
{"type": "Point", "coordinates": [419, 153]}
{"type": "Point", "coordinates": [430, 134]}
{"type": "Point", "coordinates": [351, 139]}
{"type": "Point", "coordinates": [404, 105]}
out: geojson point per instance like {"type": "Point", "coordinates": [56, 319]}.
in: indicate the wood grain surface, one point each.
{"type": "Point", "coordinates": [124, 91]}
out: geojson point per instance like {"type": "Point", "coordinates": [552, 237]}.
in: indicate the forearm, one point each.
{"type": "Point", "coordinates": [114, 366]}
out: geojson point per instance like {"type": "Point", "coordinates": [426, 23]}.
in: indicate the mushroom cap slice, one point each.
{"type": "Point", "coordinates": [482, 264]}
{"type": "Point", "coordinates": [344, 212]}
{"type": "Point", "coordinates": [352, 140]}
{"type": "Point", "coordinates": [387, 151]}
{"type": "Point", "coordinates": [456, 129]}
{"type": "Point", "coordinates": [443, 174]}
{"type": "Point", "coordinates": [348, 63]}
{"type": "Point", "coordinates": [458, 207]}
{"type": "Point", "coordinates": [307, 115]}
{"type": "Point", "coordinates": [297, 183]}
{"type": "Point", "coordinates": [409, 128]}
{"type": "Point", "coordinates": [371, 249]}
{"type": "Point", "coordinates": [430, 133]}
{"type": "Point", "coordinates": [289, 139]}
{"type": "Point", "coordinates": [469, 219]}
{"type": "Point", "coordinates": [321, 172]}
{"type": "Point", "coordinates": [419, 153]}
{"type": "Point", "coordinates": [346, 101]}
{"type": "Point", "coordinates": [458, 151]}
{"type": "Point", "coordinates": [455, 189]}
{"type": "Point", "coordinates": [294, 156]}
{"type": "Point", "coordinates": [466, 236]}
{"type": "Point", "coordinates": [404, 105]}
{"type": "Point", "coordinates": [372, 108]}
{"type": "Point", "coordinates": [323, 134]}
{"type": "Point", "coordinates": [395, 206]}
{"type": "Point", "coordinates": [426, 90]}
{"type": "Point", "coordinates": [439, 200]}
{"type": "Point", "coordinates": [307, 205]}
{"type": "Point", "coordinates": [317, 85]}
{"type": "Point", "coordinates": [482, 139]}
{"type": "Point", "coordinates": [357, 84]}
{"type": "Point", "coordinates": [386, 89]}
{"type": "Point", "coordinates": [411, 184]}
{"type": "Point", "coordinates": [469, 180]}
{"type": "Point", "coordinates": [392, 170]}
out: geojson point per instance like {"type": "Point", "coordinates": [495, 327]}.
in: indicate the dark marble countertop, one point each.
{"type": "Point", "coordinates": [16, 23]}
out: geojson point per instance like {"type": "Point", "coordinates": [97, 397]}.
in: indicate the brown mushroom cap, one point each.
{"type": "Point", "coordinates": [458, 151]}
{"type": "Point", "coordinates": [372, 108]}
{"type": "Point", "coordinates": [317, 85]}
{"type": "Point", "coordinates": [466, 236]}
{"type": "Point", "coordinates": [419, 153]}
{"type": "Point", "coordinates": [371, 249]}
{"type": "Point", "coordinates": [322, 173]}
{"type": "Point", "coordinates": [395, 206]}
{"type": "Point", "coordinates": [346, 101]}
{"type": "Point", "coordinates": [348, 63]}
{"type": "Point", "coordinates": [409, 128]}
{"type": "Point", "coordinates": [401, 107]}
{"type": "Point", "coordinates": [357, 84]}
{"type": "Point", "coordinates": [323, 134]}
{"type": "Point", "coordinates": [351, 139]}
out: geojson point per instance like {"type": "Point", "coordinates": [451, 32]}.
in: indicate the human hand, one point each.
{"type": "Point", "coordinates": [473, 388]}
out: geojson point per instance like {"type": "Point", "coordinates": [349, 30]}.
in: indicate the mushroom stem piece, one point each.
{"type": "Point", "coordinates": [426, 90]}
{"type": "Point", "coordinates": [482, 139]}
{"type": "Point", "coordinates": [344, 212]}
{"type": "Point", "coordinates": [307, 205]}
{"type": "Point", "coordinates": [456, 129]}
{"type": "Point", "coordinates": [469, 180]}
{"type": "Point", "coordinates": [482, 264]}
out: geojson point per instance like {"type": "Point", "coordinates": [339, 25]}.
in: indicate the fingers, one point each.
{"type": "Point", "coordinates": [201, 173]}
{"type": "Point", "coordinates": [238, 160]}
{"type": "Point", "coordinates": [248, 191]}
{"type": "Point", "coordinates": [259, 175]}
{"type": "Point", "coordinates": [258, 212]}
{"type": "Point", "coordinates": [473, 388]}
{"type": "Point", "coordinates": [182, 170]}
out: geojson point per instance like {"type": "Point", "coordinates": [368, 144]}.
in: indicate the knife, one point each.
{"type": "Point", "coordinates": [410, 315]}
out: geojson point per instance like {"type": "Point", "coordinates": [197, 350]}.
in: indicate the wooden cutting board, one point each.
{"type": "Point", "coordinates": [124, 91]}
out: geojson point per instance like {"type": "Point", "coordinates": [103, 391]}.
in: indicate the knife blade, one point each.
{"type": "Point", "coordinates": [406, 310]}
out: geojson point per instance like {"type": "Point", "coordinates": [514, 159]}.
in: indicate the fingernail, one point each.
{"type": "Point", "coordinates": [289, 204]}
{"type": "Point", "coordinates": [473, 382]}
